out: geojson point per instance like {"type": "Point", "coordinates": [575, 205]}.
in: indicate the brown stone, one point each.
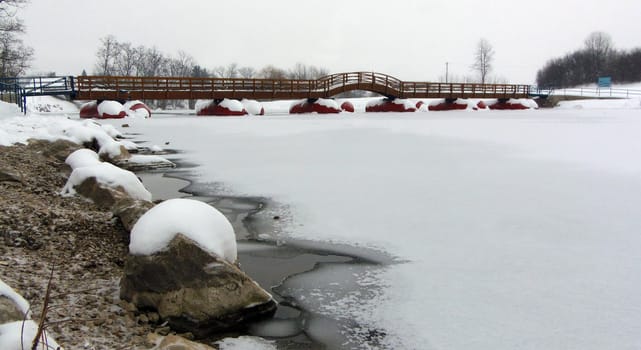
{"type": "Point", "coordinates": [193, 290]}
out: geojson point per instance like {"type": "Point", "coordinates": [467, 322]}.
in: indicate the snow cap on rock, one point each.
{"type": "Point", "coordinates": [196, 220]}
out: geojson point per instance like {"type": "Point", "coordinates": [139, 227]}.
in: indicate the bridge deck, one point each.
{"type": "Point", "coordinates": [158, 88]}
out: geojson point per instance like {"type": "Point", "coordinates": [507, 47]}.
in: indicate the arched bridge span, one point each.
{"type": "Point", "coordinates": [140, 88]}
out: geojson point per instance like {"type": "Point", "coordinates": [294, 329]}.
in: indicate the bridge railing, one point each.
{"type": "Point", "coordinates": [117, 83]}
{"type": "Point", "coordinates": [102, 87]}
{"type": "Point", "coordinates": [464, 89]}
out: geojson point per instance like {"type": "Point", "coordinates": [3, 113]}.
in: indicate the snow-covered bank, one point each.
{"type": "Point", "coordinates": [519, 227]}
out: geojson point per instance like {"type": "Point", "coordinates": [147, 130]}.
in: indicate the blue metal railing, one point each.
{"type": "Point", "coordinates": [16, 90]}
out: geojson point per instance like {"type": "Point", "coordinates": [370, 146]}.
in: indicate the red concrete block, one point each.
{"type": "Point", "coordinates": [347, 107]}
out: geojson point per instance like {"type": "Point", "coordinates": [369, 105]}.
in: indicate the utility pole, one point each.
{"type": "Point", "coordinates": [447, 70]}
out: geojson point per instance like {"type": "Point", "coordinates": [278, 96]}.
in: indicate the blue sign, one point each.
{"type": "Point", "coordinates": [604, 82]}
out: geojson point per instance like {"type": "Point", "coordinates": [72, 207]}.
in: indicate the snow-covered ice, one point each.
{"type": "Point", "coordinates": [513, 229]}
{"type": "Point", "coordinates": [198, 221]}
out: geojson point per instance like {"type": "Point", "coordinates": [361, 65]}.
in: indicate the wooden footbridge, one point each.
{"type": "Point", "coordinates": [177, 88]}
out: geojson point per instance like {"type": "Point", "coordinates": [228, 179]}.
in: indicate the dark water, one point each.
{"type": "Point", "coordinates": [273, 264]}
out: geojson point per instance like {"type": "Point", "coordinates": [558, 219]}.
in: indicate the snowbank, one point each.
{"type": "Point", "coordinates": [106, 174]}
{"type": "Point", "coordinates": [9, 109]}
{"type": "Point", "coordinates": [199, 221]}
{"type": "Point", "coordinates": [632, 103]}
{"type": "Point", "coordinates": [50, 105]}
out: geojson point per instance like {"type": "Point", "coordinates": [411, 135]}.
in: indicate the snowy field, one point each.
{"type": "Point", "coordinates": [513, 230]}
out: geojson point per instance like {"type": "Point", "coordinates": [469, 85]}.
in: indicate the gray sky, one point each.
{"type": "Point", "coordinates": [409, 39]}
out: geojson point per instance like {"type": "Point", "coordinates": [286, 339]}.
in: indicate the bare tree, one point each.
{"type": "Point", "coordinates": [272, 72]}
{"type": "Point", "coordinates": [106, 55]}
{"type": "Point", "coordinates": [483, 58]}
{"type": "Point", "coordinates": [15, 57]}
{"type": "Point", "coordinates": [182, 65]}
{"type": "Point", "coordinates": [247, 72]}
{"type": "Point", "coordinates": [125, 59]}
{"type": "Point", "coordinates": [598, 46]}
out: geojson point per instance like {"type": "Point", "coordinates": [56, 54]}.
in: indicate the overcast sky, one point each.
{"type": "Point", "coordinates": [409, 39]}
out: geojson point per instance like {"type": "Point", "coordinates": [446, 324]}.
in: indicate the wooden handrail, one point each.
{"type": "Point", "coordinates": [123, 87]}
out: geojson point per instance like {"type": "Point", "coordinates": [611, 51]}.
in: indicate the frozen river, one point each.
{"type": "Point", "coordinates": [508, 230]}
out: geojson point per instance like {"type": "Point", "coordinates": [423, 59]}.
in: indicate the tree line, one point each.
{"type": "Point", "coordinates": [116, 58]}
{"type": "Point", "coordinates": [597, 58]}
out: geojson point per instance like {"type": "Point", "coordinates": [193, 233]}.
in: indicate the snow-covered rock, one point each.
{"type": "Point", "coordinates": [111, 110]}
{"type": "Point", "coordinates": [199, 221]}
{"type": "Point", "coordinates": [191, 288]}
{"type": "Point", "coordinates": [106, 176]}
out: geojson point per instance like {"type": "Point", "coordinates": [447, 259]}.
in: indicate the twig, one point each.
{"type": "Point", "coordinates": [43, 314]}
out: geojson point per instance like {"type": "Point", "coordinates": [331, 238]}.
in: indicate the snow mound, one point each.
{"type": "Point", "coordinates": [106, 174]}
{"type": "Point", "coordinates": [199, 221]}
{"type": "Point", "coordinates": [12, 336]}
{"type": "Point", "coordinates": [82, 158]}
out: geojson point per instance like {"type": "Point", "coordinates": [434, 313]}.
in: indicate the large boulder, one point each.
{"type": "Point", "coordinates": [194, 290]}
